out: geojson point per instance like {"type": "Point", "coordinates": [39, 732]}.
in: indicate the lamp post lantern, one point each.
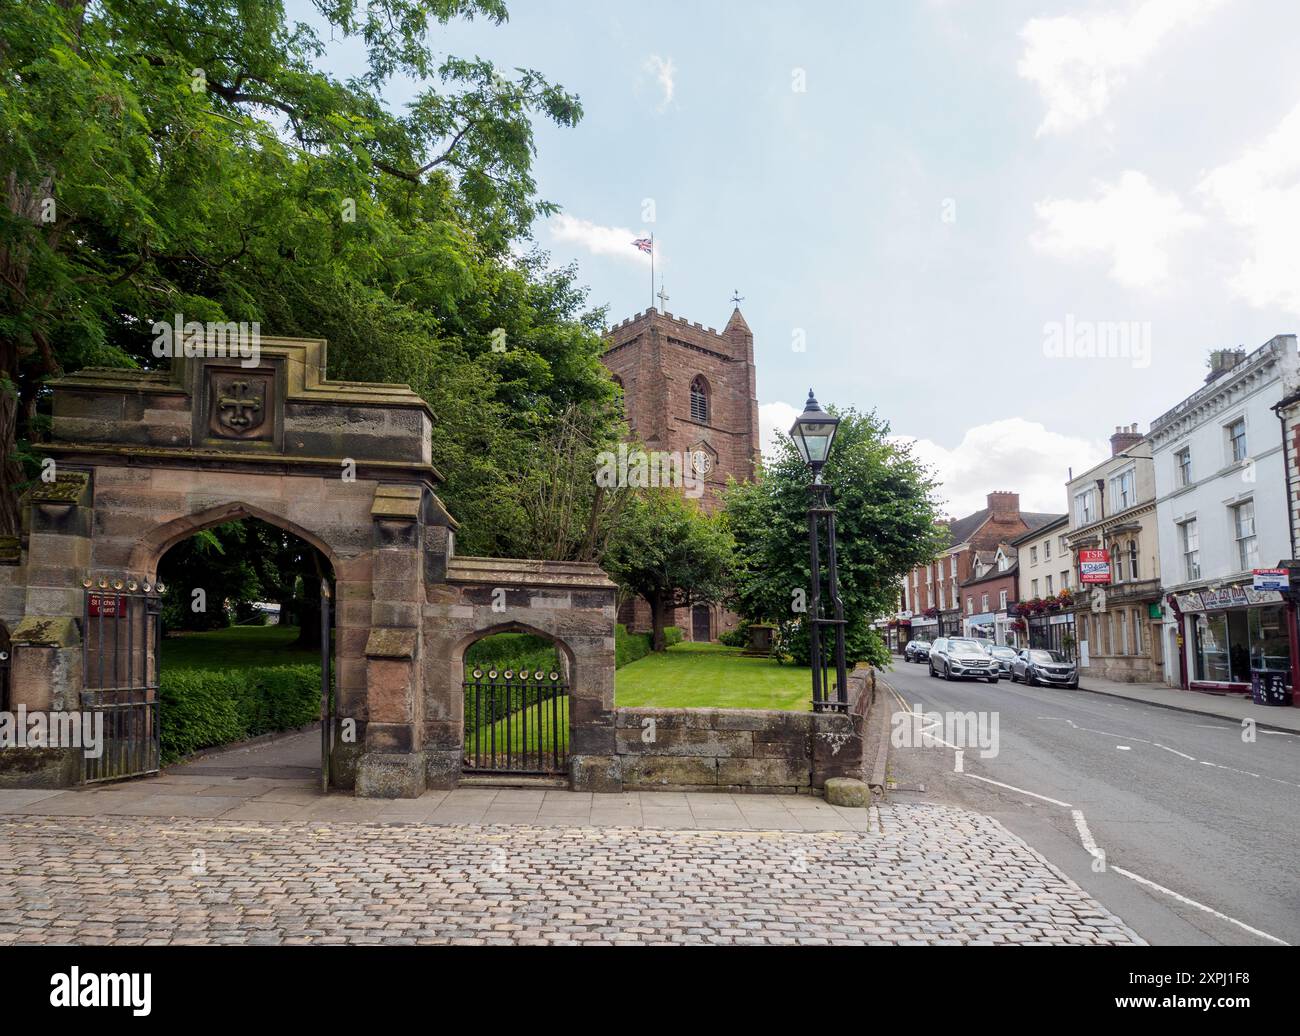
{"type": "Point", "coordinates": [813, 433]}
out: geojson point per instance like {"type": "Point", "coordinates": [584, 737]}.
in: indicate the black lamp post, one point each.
{"type": "Point", "coordinates": [813, 433]}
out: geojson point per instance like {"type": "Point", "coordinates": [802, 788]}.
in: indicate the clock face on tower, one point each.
{"type": "Point", "coordinates": [703, 459]}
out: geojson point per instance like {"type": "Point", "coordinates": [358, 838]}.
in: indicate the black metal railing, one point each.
{"type": "Point", "coordinates": [516, 722]}
{"type": "Point", "coordinates": [121, 629]}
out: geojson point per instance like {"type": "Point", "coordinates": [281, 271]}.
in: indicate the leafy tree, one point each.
{"type": "Point", "coordinates": [884, 526]}
{"type": "Point", "coordinates": [670, 552]}
{"type": "Point", "coordinates": [196, 156]}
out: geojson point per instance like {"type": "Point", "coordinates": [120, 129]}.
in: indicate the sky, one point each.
{"type": "Point", "coordinates": [932, 208]}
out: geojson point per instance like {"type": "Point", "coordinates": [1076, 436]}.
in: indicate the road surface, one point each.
{"type": "Point", "coordinates": [1181, 825]}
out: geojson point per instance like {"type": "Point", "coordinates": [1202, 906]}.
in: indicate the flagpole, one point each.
{"type": "Point", "coordinates": [652, 269]}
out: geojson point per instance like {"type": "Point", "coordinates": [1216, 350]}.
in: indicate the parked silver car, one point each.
{"type": "Point", "coordinates": [962, 658]}
{"type": "Point", "coordinates": [1041, 666]}
{"type": "Point", "coordinates": [1004, 656]}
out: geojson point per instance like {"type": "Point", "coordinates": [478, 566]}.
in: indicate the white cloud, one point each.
{"type": "Point", "coordinates": [773, 418]}
{"type": "Point", "coordinates": [598, 240]}
{"type": "Point", "coordinates": [1012, 454]}
{"type": "Point", "coordinates": [1130, 221]}
{"type": "Point", "coordinates": [664, 72]}
{"type": "Point", "coordinates": [1078, 62]}
{"type": "Point", "coordinates": [1259, 193]}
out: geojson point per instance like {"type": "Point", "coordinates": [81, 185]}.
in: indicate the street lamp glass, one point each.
{"type": "Point", "coordinates": [813, 432]}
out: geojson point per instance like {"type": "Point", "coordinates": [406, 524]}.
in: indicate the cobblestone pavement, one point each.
{"type": "Point", "coordinates": [914, 874]}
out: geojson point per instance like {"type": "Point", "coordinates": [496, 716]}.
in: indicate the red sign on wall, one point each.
{"type": "Point", "coordinates": [108, 606]}
{"type": "Point", "coordinates": [1094, 566]}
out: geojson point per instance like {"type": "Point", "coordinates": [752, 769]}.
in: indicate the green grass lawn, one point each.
{"type": "Point", "coordinates": [712, 676]}
{"type": "Point", "coordinates": [238, 647]}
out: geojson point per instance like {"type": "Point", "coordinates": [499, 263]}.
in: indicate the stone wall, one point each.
{"type": "Point", "coordinates": [742, 750]}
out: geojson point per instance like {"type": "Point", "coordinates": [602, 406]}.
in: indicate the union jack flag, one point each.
{"type": "Point", "coordinates": [645, 244]}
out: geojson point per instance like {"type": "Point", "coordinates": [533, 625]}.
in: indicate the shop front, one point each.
{"type": "Point", "coordinates": [1230, 633]}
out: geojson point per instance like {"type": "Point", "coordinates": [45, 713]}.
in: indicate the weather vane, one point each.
{"type": "Point", "coordinates": [737, 298]}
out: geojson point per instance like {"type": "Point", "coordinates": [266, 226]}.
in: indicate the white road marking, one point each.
{"type": "Point", "coordinates": [1020, 791]}
{"type": "Point", "coordinates": [1124, 748]}
{"type": "Point", "coordinates": [1085, 836]}
{"type": "Point", "coordinates": [1199, 906]}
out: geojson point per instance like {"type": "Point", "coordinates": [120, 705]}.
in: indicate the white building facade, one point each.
{"type": "Point", "coordinates": [1222, 510]}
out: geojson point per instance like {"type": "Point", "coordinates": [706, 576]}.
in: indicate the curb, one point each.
{"type": "Point", "coordinates": [1260, 725]}
{"type": "Point", "coordinates": [876, 779]}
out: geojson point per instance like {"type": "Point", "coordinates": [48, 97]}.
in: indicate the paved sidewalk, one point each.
{"type": "Point", "coordinates": [1224, 706]}
{"type": "Point", "coordinates": [914, 874]}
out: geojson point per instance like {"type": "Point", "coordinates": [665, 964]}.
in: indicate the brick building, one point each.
{"type": "Point", "coordinates": [689, 390]}
{"type": "Point", "coordinates": [933, 593]}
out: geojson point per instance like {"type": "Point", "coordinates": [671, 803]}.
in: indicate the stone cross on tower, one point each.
{"type": "Point", "coordinates": [662, 296]}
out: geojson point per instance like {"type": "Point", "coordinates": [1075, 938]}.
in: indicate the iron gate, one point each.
{"type": "Point", "coordinates": [516, 723]}
{"type": "Point", "coordinates": [121, 627]}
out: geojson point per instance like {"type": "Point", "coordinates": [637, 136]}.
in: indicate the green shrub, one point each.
{"type": "Point", "coordinates": [512, 651]}
{"type": "Point", "coordinates": [737, 638]}
{"type": "Point", "coordinates": [628, 647]}
{"type": "Point", "coordinates": [672, 635]}
{"type": "Point", "coordinates": [203, 708]}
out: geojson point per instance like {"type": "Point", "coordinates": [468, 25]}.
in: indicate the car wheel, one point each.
{"type": "Point", "coordinates": [1013, 677]}
{"type": "Point", "coordinates": [1030, 678]}
{"type": "Point", "coordinates": [993, 679]}
{"type": "Point", "coordinates": [1073, 686]}
{"type": "Point", "coordinates": [931, 670]}
{"type": "Point", "coordinates": [947, 672]}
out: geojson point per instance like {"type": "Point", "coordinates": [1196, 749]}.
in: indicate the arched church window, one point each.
{"type": "Point", "coordinates": [700, 400]}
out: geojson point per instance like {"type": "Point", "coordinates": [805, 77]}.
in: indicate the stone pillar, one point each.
{"type": "Point", "coordinates": [391, 763]}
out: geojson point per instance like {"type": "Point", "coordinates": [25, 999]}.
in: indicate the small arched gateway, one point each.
{"type": "Point", "coordinates": [145, 459]}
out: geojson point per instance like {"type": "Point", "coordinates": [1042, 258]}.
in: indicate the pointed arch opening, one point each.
{"type": "Point", "coordinates": [700, 399]}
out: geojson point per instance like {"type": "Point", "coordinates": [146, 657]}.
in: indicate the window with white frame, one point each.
{"type": "Point", "coordinates": [1236, 433]}
{"type": "Point", "coordinates": [1002, 600]}
{"type": "Point", "coordinates": [942, 603]}
{"type": "Point", "coordinates": [953, 570]}
{"type": "Point", "coordinates": [1047, 549]}
{"type": "Point", "coordinates": [1123, 491]}
{"type": "Point", "coordinates": [1033, 555]}
{"type": "Point", "coordinates": [1243, 524]}
{"type": "Point", "coordinates": [984, 602]}
{"type": "Point", "coordinates": [970, 606]}
{"type": "Point", "coordinates": [1060, 542]}
{"type": "Point", "coordinates": [1065, 579]}
{"type": "Point", "coordinates": [1033, 588]}
{"type": "Point", "coordinates": [1048, 586]}
{"type": "Point", "coordinates": [1183, 466]}
{"type": "Point", "coordinates": [1191, 543]}
{"type": "Point", "coordinates": [1085, 508]}
{"type": "Point", "coordinates": [1132, 559]}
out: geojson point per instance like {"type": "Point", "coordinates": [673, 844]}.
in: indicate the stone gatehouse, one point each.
{"type": "Point", "coordinates": [143, 460]}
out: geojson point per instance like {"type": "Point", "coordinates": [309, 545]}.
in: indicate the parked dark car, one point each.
{"type": "Point", "coordinates": [1004, 656]}
{"type": "Point", "coordinates": [1041, 666]}
{"type": "Point", "coordinates": [962, 658]}
{"type": "Point", "coordinates": [916, 651]}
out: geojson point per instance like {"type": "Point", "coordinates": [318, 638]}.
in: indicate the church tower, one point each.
{"type": "Point", "coordinates": [689, 390]}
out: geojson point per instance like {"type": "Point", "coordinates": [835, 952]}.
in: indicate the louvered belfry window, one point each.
{"type": "Point", "coordinates": [700, 400]}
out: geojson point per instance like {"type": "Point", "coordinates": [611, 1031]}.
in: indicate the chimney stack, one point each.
{"type": "Point", "coordinates": [1004, 505]}
{"type": "Point", "coordinates": [1223, 360]}
{"type": "Point", "coordinates": [1125, 438]}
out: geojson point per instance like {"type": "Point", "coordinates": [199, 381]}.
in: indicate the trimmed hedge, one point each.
{"type": "Point", "coordinates": [672, 635]}
{"type": "Point", "coordinates": [628, 647]}
{"type": "Point", "coordinates": [203, 708]}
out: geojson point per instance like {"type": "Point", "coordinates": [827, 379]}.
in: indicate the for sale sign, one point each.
{"type": "Point", "coordinates": [1094, 566]}
{"type": "Point", "coordinates": [1270, 579]}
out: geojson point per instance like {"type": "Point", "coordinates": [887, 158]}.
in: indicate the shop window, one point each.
{"type": "Point", "coordinates": [1268, 640]}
